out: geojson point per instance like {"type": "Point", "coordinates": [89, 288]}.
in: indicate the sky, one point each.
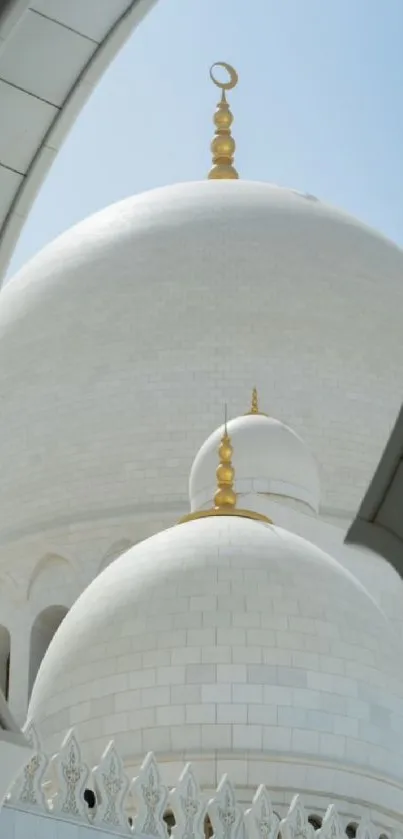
{"type": "Point", "coordinates": [318, 107]}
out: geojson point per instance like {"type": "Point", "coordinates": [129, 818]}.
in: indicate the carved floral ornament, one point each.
{"type": "Point", "coordinates": [152, 800]}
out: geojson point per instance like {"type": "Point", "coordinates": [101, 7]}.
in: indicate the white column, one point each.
{"type": "Point", "coordinates": [19, 671]}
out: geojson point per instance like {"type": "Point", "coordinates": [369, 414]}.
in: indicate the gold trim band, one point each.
{"type": "Point", "coordinates": [242, 514]}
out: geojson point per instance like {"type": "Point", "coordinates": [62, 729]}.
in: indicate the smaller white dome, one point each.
{"type": "Point", "coordinates": [204, 642]}
{"type": "Point", "coordinates": [268, 458]}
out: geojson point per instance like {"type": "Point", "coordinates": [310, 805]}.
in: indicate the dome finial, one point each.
{"type": "Point", "coordinates": [225, 497]}
{"type": "Point", "coordinates": [223, 144]}
{"type": "Point", "coordinates": [254, 408]}
{"type": "Point", "coordinates": [254, 405]}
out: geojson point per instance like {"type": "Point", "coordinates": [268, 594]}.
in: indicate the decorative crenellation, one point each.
{"type": "Point", "coordinates": [27, 791]}
{"type": "Point", "coordinates": [151, 797]}
{"type": "Point", "coordinates": [260, 820]}
{"type": "Point", "coordinates": [225, 813]}
{"type": "Point", "coordinates": [71, 778]}
{"type": "Point", "coordinates": [296, 825]}
{"type": "Point", "coordinates": [189, 806]}
{"type": "Point", "coordinates": [111, 791]}
{"type": "Point", "coordinates": [331, 827]}
{"type": "Point", "coordinates": [100, 797]}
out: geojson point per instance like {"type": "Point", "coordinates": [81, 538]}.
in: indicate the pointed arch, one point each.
{"type": "Point", "coordinates": [51, 572]}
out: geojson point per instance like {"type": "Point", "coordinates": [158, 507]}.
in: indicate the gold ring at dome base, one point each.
{"type": "Point", "coordinates": [234, 511]}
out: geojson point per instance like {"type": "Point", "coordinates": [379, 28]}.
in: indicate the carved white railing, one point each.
{"type": "Point", "coordinates": [67, 777]}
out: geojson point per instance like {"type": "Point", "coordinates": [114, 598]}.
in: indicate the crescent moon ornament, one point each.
{"type": "Point", "coordinates": [233, 76]}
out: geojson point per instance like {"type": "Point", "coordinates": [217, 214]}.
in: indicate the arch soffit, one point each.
{"type": "Point", "coordinates": [97, 37]}
{"type": "Point", "coordinates": [54, 610]}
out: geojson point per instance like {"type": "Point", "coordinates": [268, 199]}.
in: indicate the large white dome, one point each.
{"type": "Point", "coordinates": [120, 342]}
{"type": "Point", "coordinates": [231, 641]}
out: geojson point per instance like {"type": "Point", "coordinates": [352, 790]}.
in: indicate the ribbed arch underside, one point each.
{"type": "Point", "coordinates": [66, 47]}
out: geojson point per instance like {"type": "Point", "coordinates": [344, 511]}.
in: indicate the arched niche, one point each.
{"type": "Point", "coordinates": [43, 629]}
{"type": "Point", "coordinates": [51, 573]}
{"type": "Point", "coordinates": [114, 551]}
{"type": "Point", "coordinates": [4, 660]}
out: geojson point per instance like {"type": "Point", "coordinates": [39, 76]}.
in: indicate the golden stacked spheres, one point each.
{"type": "Point", "coordinates": [223, 118]}
{"type": "Point", "coordinates": [222, 146]}
{"type": "Point", "coordinates": [225, 495]}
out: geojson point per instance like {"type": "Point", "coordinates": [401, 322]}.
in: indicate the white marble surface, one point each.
{"type": "Point", "coordinates": [231, 640]}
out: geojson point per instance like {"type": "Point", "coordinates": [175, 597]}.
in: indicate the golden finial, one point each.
{"type": "Point", "coordinates": [223, 144]}
{"type": "Point", "coordinates": [255, 404]}
{"type": "Point", "coordinates": [225, 497]}
{"type": "Point", "coordinates": [254, 407]}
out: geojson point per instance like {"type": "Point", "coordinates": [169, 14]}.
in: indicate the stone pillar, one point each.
{"type": "Point", "coordinates": [19, 671]}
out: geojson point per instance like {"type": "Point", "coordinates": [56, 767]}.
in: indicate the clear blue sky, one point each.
{"type": "Point", "coordinates": [319, 107]}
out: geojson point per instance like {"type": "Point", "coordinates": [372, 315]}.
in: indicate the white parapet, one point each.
{"type": "Point", "coordinates": [106, 801]}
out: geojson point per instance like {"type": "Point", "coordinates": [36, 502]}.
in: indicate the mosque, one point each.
{"type": "Point", "coordinates": [242, 340]}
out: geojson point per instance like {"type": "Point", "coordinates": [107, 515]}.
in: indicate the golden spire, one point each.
{"type": "Point", "coordinates": [223, 144]}
{"type": "Point", "coordinates": [254, 407]}
{"type": "Point", "coordinates": [225, 495]}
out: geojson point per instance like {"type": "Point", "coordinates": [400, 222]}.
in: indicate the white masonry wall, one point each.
{"type": "Point", "coordinates": [16, 823]}
{"type": "Point", "coordinates": [19, 824]}
{"type": "Point", "coordinates": [378, 577]}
